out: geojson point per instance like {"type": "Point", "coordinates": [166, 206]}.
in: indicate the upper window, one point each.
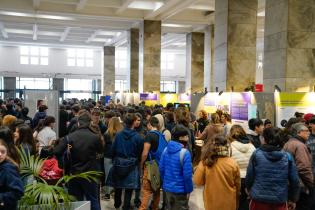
{"type": "Point", "coordinates": [80, 57]}
{"type": "Point", "coordinates": [167, 61]}
{"type": "Point", "coordinates": [168, 86]}
{"type": "Point", "coordinates": [33, 83]}
{"type": "Point", "coordinates": [121, 59]}
{"type": "Point", "coordinates": [34, 55]}
{"type": "Point", "coordinates": [120, 85]}
{"type": "Point", "coordinates": [78, 84]}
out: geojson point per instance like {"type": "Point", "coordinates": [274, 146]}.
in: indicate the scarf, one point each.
{"type": "Point", "coordinates": [222, 151]}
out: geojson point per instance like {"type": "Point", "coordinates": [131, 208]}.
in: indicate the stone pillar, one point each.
{"type": "Point", "coordinates": [289, 45]}
{"type": "Point", "coordinates": [98, 85]}
{"type": "Point", "coordinates": [181, 87]}
{"type": "Point", "coordinates": [208, 61]}
{"type": "Point", "coordinates": [150, 56]}
{"type": "Point", "coordinates": [133, 60]}
{"type": "Point", "coordinates": [58, 84]}
{"type": "Point", "coordinates": [9, 86]}
{"type": "Point", "coordinates": [108, 74]}
{"type": "Point", "coordinates": [235, 44]}
{"type": "Point", "coordinates": [195, 62]}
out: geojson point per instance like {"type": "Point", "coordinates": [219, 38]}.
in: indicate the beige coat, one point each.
{"type": "Point", "coordinates": [221, 182]}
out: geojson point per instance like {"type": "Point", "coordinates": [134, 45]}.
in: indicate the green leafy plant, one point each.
{"type": "Point", "coordinates": [39, 192]}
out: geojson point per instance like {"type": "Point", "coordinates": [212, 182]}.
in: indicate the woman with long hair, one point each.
{"type": "Point", "coordinates": [242, 150]}
{"type": "Point", "coordinates": [46, 135]}
{"type": "Point", "coordinates": [114, 126]}
{"type": "Point", "coordinates": [214, 128]}
{"type": "Point", "coordinates": [7, 136]}
{"type": "Point", "coordinates": [23, 136]}
{"type": "Point", "coordinates": [219, 174]}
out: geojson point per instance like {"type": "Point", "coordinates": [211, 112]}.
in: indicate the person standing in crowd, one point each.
{"type": "Point", "coordinates": [63, 120]}
{"type": "Point", "coordinates": [86, 144]}
{"type": "Point", "coordinates": [215, 127]}
{"type": "Point", "coordinates": [24, 116]}
{"type": "Point", "coordinates": [11, 189]}
{"type": "Point", "coordinates": [242, 150]}
{"type": "Point", "coordinates": [41, 114]}
{"type": "Point", "coordinates": [23, 136]}
{"type": "Point", "coordinates": [162, 128]}
{"type": "Point", "coordinates": [74, 120]}
{"type": "Point", "coordinates": [126, 152]}
{"type": "Point", "coordinates": [202, 120]}
{"type": "Point", "coordinates": [227, 123]}
{"type": "Point", "coordinates": [9, 121]}
{"type": "Point", "coordinates": [219, 174]}
{"type": "Point", "coordinates": [170, 121]}
{"type": "Point", "coordinates": [272, 179]}
{"type": "Point", "coordinates": [267, 124]}
{"type": "Point", "coordinates": [95, 114]}
{"type": "Point", "coordinates": [303, 159]}
{"type": "Point", "coordinates": [114, 126]}
{"type": "Point", "coordinates": [108, 115]}
{"type": "Point", "coordinates": [45, 134]}
{"type": "Point", "coordinates": [311, 141]}
{"type": "Point", "coordinates": [256, 127]}
{"type": "Point", "coordinates": [154, 145]}
{"type": "Point", "coordinates": [176, 170]}
{"type": "Point", "coordinates": [7, 136]}
{"type": "Point", "coordinates": [10, 109]}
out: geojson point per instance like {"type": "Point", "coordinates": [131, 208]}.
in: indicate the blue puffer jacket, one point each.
{"type": "Point", "coordinates": [177, 178]}
{"type": "Point", "coordinates": [11, 186]}
{"type": "Point", "coordinates": [272, 176]}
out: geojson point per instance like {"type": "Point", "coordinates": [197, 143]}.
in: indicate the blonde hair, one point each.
{"type": "Point", "coordinates": [215, 118]}
{"type": "Point", "coordinates": [8, 120]}
{"type": "Point", "coordinates": [114, 126]}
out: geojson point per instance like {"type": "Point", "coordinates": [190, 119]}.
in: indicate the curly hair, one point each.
{"type": "Point", "coordinates": [214, 149]}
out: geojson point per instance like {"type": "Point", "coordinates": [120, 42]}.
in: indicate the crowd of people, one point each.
{"type": "Point", "coordinates": [158, 155]}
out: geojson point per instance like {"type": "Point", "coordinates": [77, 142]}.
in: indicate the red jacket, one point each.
{"type": "Point", "coordinates": [50, 170]}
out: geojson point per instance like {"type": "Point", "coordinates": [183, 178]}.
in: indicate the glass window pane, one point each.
{"type": "Point", "coordinates": [24, 50]}
{"type": "Point", "coordinates": [34, 60]}
{"type": "Point", "coordinates": [71, 53]}
{"type": "Point", "coordinates": [80, 53]}
{"type": "Point", "coordinates": [34, 51]}
{"type": "Point", "coordinates": [163, 65]}
{"type": "Point", "coordinates": [71, 62]}
{"type": "Point", "coordinates": [24, 60]}
{"type": "Point", "coordinates": [123, 64]}
{"type": "Point", "coordinates": [89, 63]}
{"type": "Point", "coordinates": [80, 62]}
{"type": "Point", "coordinates": [44, 61]}
{"type": "Point", "coordinates": [170, 65]}
{"type": "Point", "coordinates": [44, 51]}
{"type": "Point", "coordinates": [89, 54]}
{"type": "Point", "coordinates": [170, 56]}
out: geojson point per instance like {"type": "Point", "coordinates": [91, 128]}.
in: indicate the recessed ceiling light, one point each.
{"type": "Point", "coordinates": [145, 5]}
{"type": "Point", "coordinates": [261, 14]}
{"type": "Point", "coordinates": [44, 16]}
{"type": "Point", "coordinates": [175, 25]}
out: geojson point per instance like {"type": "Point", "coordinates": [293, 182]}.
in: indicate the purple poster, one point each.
{"type": "Point", "coordinates": [239, 105]}
{"type": "Point", "coordinates": [209, 100]}
{"type": "Point", "coordinates": [184, 97]}
{"type": "Point", "coordinates": [148, 96]}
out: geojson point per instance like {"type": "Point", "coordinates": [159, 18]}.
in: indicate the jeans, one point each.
{"type": "Point", "coordinates": [81, 188]}
{"type": "Point", "coordinates": [117, 199]}
{"type": "Point", "coordinates": [306, 201]}
{"type": "Point", "coordinates": [176, 201]}
{"type": "Point", "coordinates": [243, 201]}
{"type": "Point", "coordinates": [107, 166]}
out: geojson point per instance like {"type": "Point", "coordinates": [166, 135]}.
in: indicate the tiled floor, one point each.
{"type": "Point", "coordinates": [195, 201]}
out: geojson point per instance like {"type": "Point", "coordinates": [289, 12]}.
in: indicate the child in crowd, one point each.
{"type": "Point", "coordinates": [50, 172]}
{"type": "Point", "coordinates": [176, 170]}
{"type": "Point", "coordinates": [11, 185]}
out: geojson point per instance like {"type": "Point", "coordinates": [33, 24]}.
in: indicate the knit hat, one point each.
{"type": "Point", "coordinates": [308, 116]}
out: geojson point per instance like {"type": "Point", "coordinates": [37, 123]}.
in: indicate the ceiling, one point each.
{"type": "Point", "coordinates": [103, 22]}
{"type": "Point", "coordinates": [99, 22]}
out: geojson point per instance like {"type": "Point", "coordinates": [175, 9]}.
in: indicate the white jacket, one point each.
{"type": "Point", "coordinates": [241, 153]}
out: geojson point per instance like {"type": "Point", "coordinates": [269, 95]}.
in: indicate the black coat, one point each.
{"type": "Point", "coordinates": [63, 119]}
{"type": "Point", "coordinates": [85, 147]}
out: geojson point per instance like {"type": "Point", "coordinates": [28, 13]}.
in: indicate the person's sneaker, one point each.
{"type": "Point", "coordinates": [106, 196]}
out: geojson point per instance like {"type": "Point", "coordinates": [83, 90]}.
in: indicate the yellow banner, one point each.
{"type": "Point", "coordinates": [295, 99]}
{"type": "Point", "coordinates": [168, 98]}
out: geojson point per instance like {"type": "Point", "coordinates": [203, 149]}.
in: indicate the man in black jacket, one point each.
{"type": "Point", "coordinates": [86, 144]}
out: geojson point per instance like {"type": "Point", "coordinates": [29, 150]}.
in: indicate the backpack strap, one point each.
{"type": "Point", "coordinates": [181, 156]}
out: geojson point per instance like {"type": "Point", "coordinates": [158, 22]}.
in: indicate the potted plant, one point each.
{"type": "Point", "coordinates": [38, 193]}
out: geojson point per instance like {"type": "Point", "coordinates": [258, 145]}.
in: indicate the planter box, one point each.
{"type": "Point", "coordinates": [79, 205]}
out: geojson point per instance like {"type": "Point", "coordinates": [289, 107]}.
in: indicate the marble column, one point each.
{"type": "Point", "coordinates": [108, 74]}
{"type": "Point", "coordinates": [289, 45]}
{"type": "Point", "coordinates": [150, 56]}
{"type": "Point", "coordinates": [9, 86]}
{"type": "Point", "coordinates": [235, 44]}
{"type": "Point", "coordinates": [58, 84]}
{"type": "Point", "coordinates": [208, 61]}
{"type": "Point", "coordinates": [181, 87]}
{"type": "Point", "coordinates": [195, 62]}
{"type": "Point", "coordinates": [133, 60]}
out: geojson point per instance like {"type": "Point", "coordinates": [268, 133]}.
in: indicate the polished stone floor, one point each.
{"type": "Point", "coordinates": [195, 201]}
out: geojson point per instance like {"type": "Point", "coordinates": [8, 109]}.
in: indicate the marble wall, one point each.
{"type": "Point", "coordinates": [108, 74]}
{"type": "Point", "coordinates": [133, 60]}
{"type": "Point", "coordinates": [58, 84]}
{"type": "Point", "coordinates": [195, 62]}
{"type": "Point", "coordinates": [208, 58]}
{"type": "Point", "coordinates": [149, 56]}
{"type": "Point", "coordinates": [235, 44]}
{"type": "Point", "coordinates": [289, 60]}
{"type": "Point", "coordinates": [9, 84]}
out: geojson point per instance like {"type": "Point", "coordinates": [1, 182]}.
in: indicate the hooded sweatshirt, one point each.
{"type": "Point", "coordinates": [176, 176]}
{"type": "Point", "coordinates": [242, 150]}
{"type": "Point", "coordinates": [163, 130]}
